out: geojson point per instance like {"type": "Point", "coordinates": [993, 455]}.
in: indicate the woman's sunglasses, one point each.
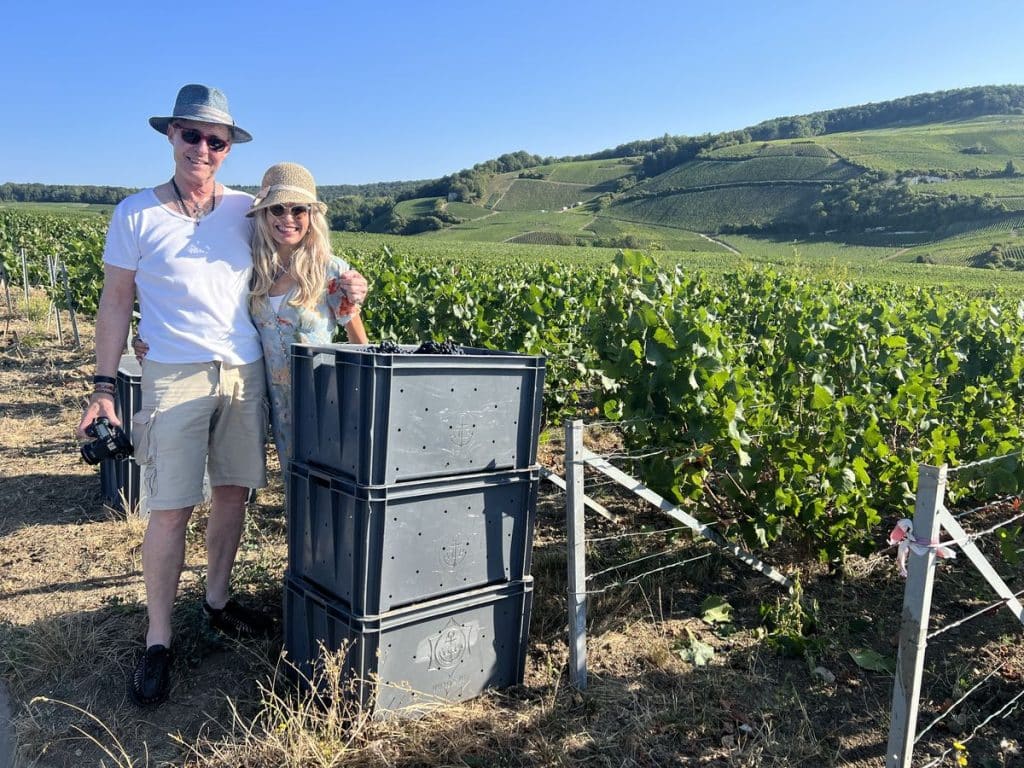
{"type": "Point", "coordinates": [295, 210]}
{"type": "Point", "coordinates": [192, 136]}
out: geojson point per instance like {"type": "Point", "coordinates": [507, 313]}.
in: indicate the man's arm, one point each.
{"type": "Point", "coordinates": [112, 322]}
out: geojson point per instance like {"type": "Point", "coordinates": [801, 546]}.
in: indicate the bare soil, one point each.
{"type": "Point", "coordinates": [72, 618]}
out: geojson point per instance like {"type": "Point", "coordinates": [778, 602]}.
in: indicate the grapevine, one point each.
{"type": "Point", "coordinates": [787, 404]}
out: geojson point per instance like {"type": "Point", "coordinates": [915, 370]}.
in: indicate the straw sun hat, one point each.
{"type": "Point", "coordinates": [286, 183]}
{"type": "Point", "coordinates": [202, 104]}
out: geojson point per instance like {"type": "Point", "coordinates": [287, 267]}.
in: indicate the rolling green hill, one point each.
{"type": "Point", "coordinates": [942, 191]}
{"type": "Point", "coordinates": [935, 178]}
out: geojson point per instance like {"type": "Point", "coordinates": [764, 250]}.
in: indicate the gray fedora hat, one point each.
{"type": "Point", "coordinates": [203, 104]}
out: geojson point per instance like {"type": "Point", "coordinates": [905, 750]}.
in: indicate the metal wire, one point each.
{"type": "Point", "coordinates": [983, 507]}
{"type": "Point", "coordinates": [628, 563]}
{"type": "Point", "coordinates": [979, 534]}
{"type": "Point", "coordinates": [637, 578]}
{"type": "Point", "coordinates": [976, 614]}
{"type": "Point", "coordinates": [958, 702]}
{"type": "Point", "coordinates": [982, 462]}
{"type": "Point", "coordinates": [599, 484]}
{"type": "Point", "coordinates": [621, 422]}
{"type": "Point", "coordinates": [977, 728]}
{"type": "Point", "coordinates": [631, 456]}
{"type": "Point", "coordinates": [639, 533]}
{"type": "Point", "coordinates": [955, 542]}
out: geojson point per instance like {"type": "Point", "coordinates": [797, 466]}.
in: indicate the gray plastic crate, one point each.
{"type": "Point", "coordinates": [379, 418]}
{"type": "Point", "coordinates": [376, 548]}
{"type": "Point", "coordinates": [120, 478]}
{"type": "Point", "coordinates": [411, 659]}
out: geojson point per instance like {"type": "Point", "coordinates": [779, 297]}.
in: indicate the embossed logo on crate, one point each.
{"type": "Point", "coordinates": [454, 553]}
{"type": "Point", "coordinates": [450, 645]}
{"type": "Point", "coordinates": [461, 433]}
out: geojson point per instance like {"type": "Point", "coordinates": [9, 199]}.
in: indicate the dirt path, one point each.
{"type": "Point", "coordinates": [720, 243]}
{"type": "Point", "coordinates": [896, 255]}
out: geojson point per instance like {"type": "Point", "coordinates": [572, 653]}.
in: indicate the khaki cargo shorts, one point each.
{"type": "Point", "coordinates": [196, 418]}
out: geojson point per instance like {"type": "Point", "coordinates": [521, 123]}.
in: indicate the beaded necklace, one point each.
{"type": "Point", "coordinates": [198, 210]}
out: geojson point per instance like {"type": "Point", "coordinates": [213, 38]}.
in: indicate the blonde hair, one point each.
{"type": "Point", "coordinates": [308, 264]}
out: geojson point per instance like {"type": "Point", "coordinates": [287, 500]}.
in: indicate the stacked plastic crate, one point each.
{"type": "Point", "coordinates": [120, 478]}
{"type": "Point", "coordinates": [411, 503]}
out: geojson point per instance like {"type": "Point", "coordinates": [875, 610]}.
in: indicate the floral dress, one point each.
{"type": "Point", "coordinates": [296, 325]}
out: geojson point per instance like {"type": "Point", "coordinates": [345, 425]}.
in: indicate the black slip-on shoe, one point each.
{"type": "Point", "coordinates": [152, 679]}
{"type": "Point", "coordinates": [237, 620]}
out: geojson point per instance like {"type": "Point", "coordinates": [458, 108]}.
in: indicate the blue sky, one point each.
{"type": "Point", "coordinates": [363, 92]}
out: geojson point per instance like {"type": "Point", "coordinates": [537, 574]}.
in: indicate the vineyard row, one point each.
{"type": "Point", "coordinates": [782, 404]}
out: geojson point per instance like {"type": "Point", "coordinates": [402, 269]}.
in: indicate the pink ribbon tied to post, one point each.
{"type": "Point", "coordinates": [903, 535]}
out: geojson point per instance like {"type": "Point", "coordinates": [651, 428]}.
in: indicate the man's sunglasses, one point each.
{"type": "Point", "coordinates": [192, 136]}
{"type": "Point", "coordinates": [295, 210]}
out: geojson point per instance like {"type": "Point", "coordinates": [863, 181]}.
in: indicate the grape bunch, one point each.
{"type": "Point", "coordinates": [448, 347]}
{"type": "Point", "coordinates": [388, 347]}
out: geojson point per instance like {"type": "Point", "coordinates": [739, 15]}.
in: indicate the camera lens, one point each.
{"type": "Point", "coordinates": [89, 453]}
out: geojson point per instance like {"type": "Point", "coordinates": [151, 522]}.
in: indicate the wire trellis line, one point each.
{"type": "Point", "coordinates": [622, 566]}
{"type": "Point", "coordinates": [637, 533]}
{"type": "Point", "coordinates": [983, 462]}
{"type": "Point", "coordinates": [978, 727]}
{"type": "Point", "coordinates": [980, 534]}
{"type": "Point", "coordinates": [620, 423]}
{"type": "Point", "coordinates": [632, 456]}
{"type": "Point", "coordinates": [981, 611]}
{"type": "Point", "coordinates": [636, 579]}
{"type": "Point", "coordinates": [958, 702]}
{"type": "Point", "coordinates": [987, 505]}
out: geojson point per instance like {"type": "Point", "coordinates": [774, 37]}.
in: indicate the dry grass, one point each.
{"type": "Point", "coordinates": [71, 619]}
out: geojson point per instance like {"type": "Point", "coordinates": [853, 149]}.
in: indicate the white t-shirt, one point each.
{"type": "Point", "coordinates": [192, 280]}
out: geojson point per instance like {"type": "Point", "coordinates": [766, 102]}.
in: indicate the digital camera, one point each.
{"type": "Point", "coordinates": [111, 442]}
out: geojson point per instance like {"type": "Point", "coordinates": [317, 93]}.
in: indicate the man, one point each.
{"type": "Point", "coordinates": [183, 249]}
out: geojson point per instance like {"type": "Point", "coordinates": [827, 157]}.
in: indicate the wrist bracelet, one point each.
{"type": "Point", "coordinates": [109, 388]}
{"type": "Point", "coordinates": [101, 392]}
{"type": "Point", "coordinates": [104, 380]}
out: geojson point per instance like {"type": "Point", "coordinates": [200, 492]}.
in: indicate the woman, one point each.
{"type": "Point", "coordinates": [296, 294]}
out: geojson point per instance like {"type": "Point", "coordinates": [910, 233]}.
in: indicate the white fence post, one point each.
{"type": "Point", "coordinates": [576, 554]}
{"type": "Point", "coordinates": [917, 602]}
